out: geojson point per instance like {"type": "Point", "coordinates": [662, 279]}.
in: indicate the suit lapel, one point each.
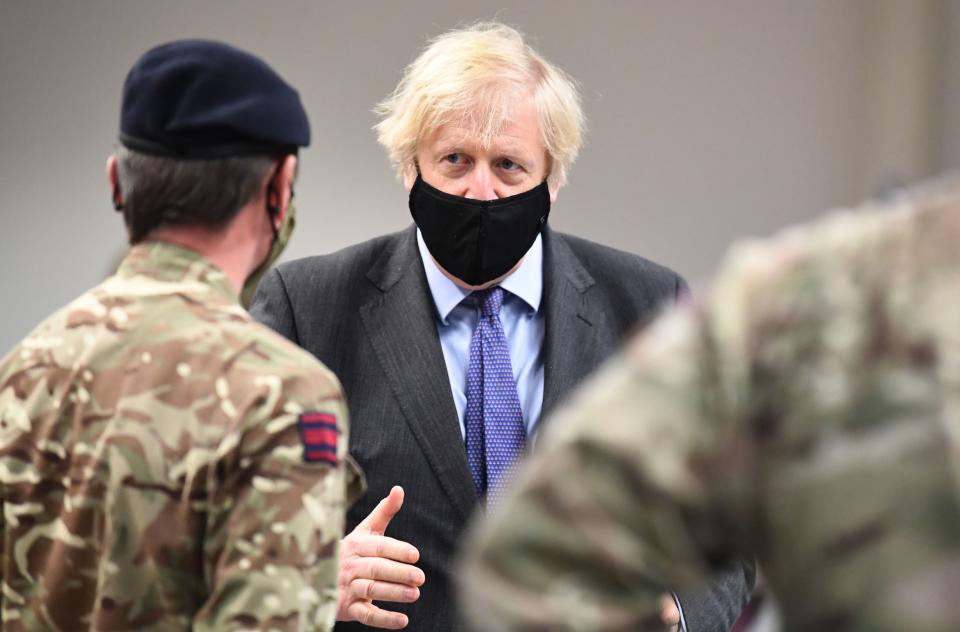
{"type": "Point", "coordinates": [574, 325]}
{"type": "Point", "coordinates": [400, 323]}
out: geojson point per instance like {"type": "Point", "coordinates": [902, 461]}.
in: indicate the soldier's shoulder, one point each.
{"type": "Point", "coordinates": [278, 356]}
{"type": "Point", "coordinates": [855, 271]}
{"type": "Point", "coordinates": [60, 330]}
{"type": "Point", "coordinates": [842, 245]}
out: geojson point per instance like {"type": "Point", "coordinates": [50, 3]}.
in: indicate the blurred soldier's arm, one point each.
{"type": "Point", "coordinates": [618, 504]}
{"type": "Point", "coordinates": [276, 515]}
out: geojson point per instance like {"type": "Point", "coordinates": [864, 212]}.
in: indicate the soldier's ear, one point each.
{"type": "Point", "coordinates": [280, 187]}
{"type": "Point", "coordinates": [114, 182]}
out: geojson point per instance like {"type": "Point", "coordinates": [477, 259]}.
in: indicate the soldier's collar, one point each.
{"type": "Point", "coordinates": [165, 261]}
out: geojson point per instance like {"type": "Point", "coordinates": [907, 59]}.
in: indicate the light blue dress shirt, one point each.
{"type": "Point", "coordinates": [522, 320]}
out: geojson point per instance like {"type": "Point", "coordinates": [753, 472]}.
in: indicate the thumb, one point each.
{"type": "Point", "coordinates": [378, 519]}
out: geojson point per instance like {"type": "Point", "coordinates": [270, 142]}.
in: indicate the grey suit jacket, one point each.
{"type": "Point", "coordinates": [367, 313]}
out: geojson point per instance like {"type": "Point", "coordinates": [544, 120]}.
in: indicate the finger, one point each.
{"type": "Point", "coordinates": [383, 513]}
{"type": "Point", "coordinates": [369, 545]}
{"type": "Point", "coordinates": [383, 591]}
{"type": "Point", "coordinates": [669, 613]}
{"type": "Point", "coordinates": [383, 570]}
{"type": "Point", "coordinates": [368, 614]}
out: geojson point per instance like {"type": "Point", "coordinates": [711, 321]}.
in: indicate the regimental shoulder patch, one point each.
{"type": "Point", "coordinates": [318, 432]}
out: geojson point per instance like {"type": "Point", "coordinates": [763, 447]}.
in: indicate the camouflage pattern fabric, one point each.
{"type": "Point", "coordinates": [152, 473]}
{"type": "Point", "coordinates": [807, 412]}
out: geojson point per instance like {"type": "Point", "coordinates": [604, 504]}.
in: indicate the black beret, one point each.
{"type": "Point", "coordinates": [205, 99]}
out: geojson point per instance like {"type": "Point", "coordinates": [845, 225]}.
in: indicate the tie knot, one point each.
{"type": "Point", "coordinates": [491, 300]}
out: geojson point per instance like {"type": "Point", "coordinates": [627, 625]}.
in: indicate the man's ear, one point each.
{"type": "Point", "coordinates": [410, 173]}
{"type": "Point", "coordinates": [553, 183]}
{"type": "Point", "coordinates": [114, 182]}
{"type": "Point", "coordinates": [280, 187]}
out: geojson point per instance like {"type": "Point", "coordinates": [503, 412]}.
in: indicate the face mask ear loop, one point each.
{"type": "Point", "coordinates": [117, 199]}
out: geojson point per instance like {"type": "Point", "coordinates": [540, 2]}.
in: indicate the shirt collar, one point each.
{"type": "Point", "coordinates": [526, 281]}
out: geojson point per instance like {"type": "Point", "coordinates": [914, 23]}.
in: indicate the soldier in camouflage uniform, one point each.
{"type": "Point", "coordinates": [808, 412]}
{"type": "Point", "coordinates": [167, 463]}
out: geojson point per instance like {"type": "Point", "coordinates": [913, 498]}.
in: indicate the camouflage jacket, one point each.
{"type": "Point", "coordinates": [808, 412]}
{"type": "Point", "coordinates": [167, 463]}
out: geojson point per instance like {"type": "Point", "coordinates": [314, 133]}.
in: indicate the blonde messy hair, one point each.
{"type": "Point", "coordinates": [473, 77]}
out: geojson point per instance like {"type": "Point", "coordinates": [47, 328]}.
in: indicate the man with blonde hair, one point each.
{"type": "Point", "coordinates": [453, 336]}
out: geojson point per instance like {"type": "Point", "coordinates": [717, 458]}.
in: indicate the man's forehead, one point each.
{"type": "Point", "coordinates": [509, 135]}
{"type": "Point", "coordinates": [453, 135]}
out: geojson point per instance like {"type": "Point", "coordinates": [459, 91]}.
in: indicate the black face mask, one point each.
{"type": "Point", "coordinates": [478, 240]}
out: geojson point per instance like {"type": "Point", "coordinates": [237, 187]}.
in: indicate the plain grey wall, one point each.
{"type": "Point", "coordinates": [707, 120]}
{"type": "Point", "coordinates": [950, 67]}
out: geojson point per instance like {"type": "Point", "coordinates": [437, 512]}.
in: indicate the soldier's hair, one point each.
{"type": "Point", "coordinates": [473, 77]}
{"type": "Point", "coordinates": [160, 192]}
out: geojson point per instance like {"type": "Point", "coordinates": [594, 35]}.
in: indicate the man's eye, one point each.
{"type": "Point", "coordinates": [509, 165]}
{"type": "Point", "coordinates": [453, 159]}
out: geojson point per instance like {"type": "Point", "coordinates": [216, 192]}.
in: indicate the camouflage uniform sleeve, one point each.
{"type": "Point", "coordinates": [276, 514]}
{"type": "Point", "coordinates": [618, 504]}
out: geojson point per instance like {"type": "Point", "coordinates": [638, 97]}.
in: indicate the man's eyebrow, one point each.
{"type": "Point", "coordinates": [515, 153]}
{"type": "Point", "coordinates": [448, 147]}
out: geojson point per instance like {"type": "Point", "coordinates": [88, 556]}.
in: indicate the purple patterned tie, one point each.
{"type": "Point", "coordinates": [495, 433]}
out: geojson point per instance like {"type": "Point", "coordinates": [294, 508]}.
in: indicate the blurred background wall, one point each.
{"type": "Point", "coordinates": [707, 120]}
